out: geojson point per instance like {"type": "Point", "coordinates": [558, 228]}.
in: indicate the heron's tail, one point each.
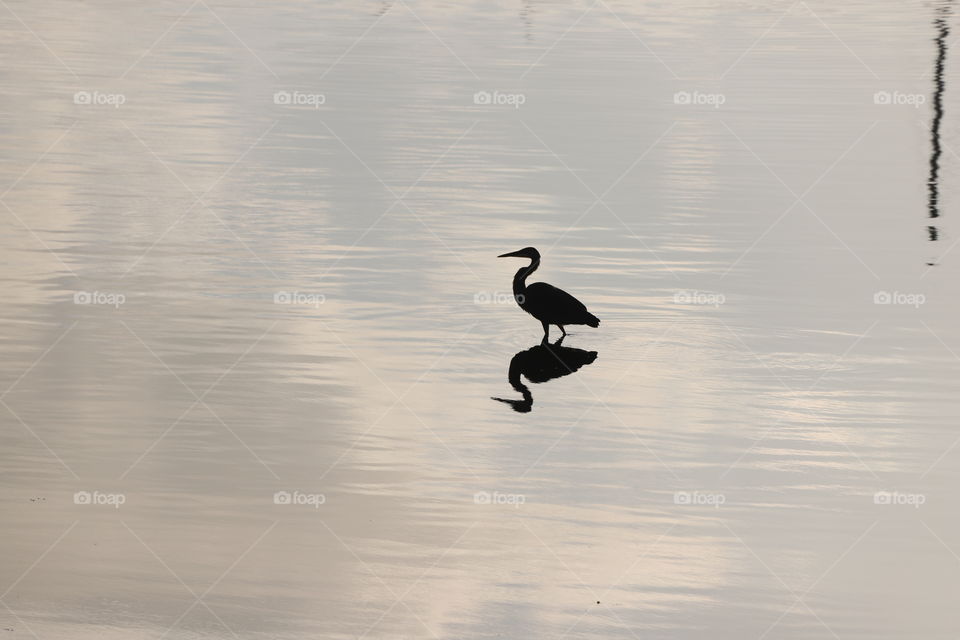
{"type": "Point", "coordinates": [592, 321]}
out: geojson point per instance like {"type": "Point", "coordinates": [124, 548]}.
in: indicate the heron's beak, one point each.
{"type": "Point", "coordinates": [513, 254]}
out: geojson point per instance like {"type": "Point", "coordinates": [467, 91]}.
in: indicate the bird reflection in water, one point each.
{"type": "Point", "coordinates": [942, 26]}
{"type": "Point", "coordinates": [542, 363]}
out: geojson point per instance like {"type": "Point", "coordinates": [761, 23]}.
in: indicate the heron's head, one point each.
{"type": "Point", "coordinates": [526, 252]}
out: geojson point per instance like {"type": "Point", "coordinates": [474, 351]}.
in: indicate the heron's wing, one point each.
{"type": "Point", "coordinates": [555, 296]}
{"type": "Point", "coordinates": [560, 303]}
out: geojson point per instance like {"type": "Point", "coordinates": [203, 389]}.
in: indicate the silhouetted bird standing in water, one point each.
{"type": "Point", "coordinates": [544, 301]}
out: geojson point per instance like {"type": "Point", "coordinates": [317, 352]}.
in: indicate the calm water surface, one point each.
{"type": "Point", "coordinates": [249, 248]}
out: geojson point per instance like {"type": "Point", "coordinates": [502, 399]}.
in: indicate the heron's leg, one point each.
{"type": "Point", "coordinates": [546, 331]}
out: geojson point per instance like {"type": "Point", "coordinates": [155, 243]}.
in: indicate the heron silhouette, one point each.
{"type": "Point", "coordinates": [545, 302]}
{"type": "Point", "coordinates": [541, 363]}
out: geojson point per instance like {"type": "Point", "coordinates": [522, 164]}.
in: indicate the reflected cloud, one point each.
{"type": "Point", "coordinates": [542, 363]}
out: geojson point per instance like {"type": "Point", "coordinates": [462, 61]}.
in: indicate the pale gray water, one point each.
{"type": "Point", "coordinates": [782, 411]}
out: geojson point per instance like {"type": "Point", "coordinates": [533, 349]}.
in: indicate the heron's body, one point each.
{"type": "Point", "coordinates": [545, 302]}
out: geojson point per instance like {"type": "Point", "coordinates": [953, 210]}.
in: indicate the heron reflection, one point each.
{"type": "Point", "coordinates": [942, 26]}
{"type": "Point", "coordinates": [539, 364]}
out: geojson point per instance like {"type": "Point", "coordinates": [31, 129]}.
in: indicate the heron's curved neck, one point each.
{"type": "Point", "coordinates": [513, 377]}
{"type": "Point", "coordinates": [519, 280]}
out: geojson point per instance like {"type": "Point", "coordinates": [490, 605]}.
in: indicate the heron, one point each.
{"type": "Point", "coordinates": [545, 302]}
